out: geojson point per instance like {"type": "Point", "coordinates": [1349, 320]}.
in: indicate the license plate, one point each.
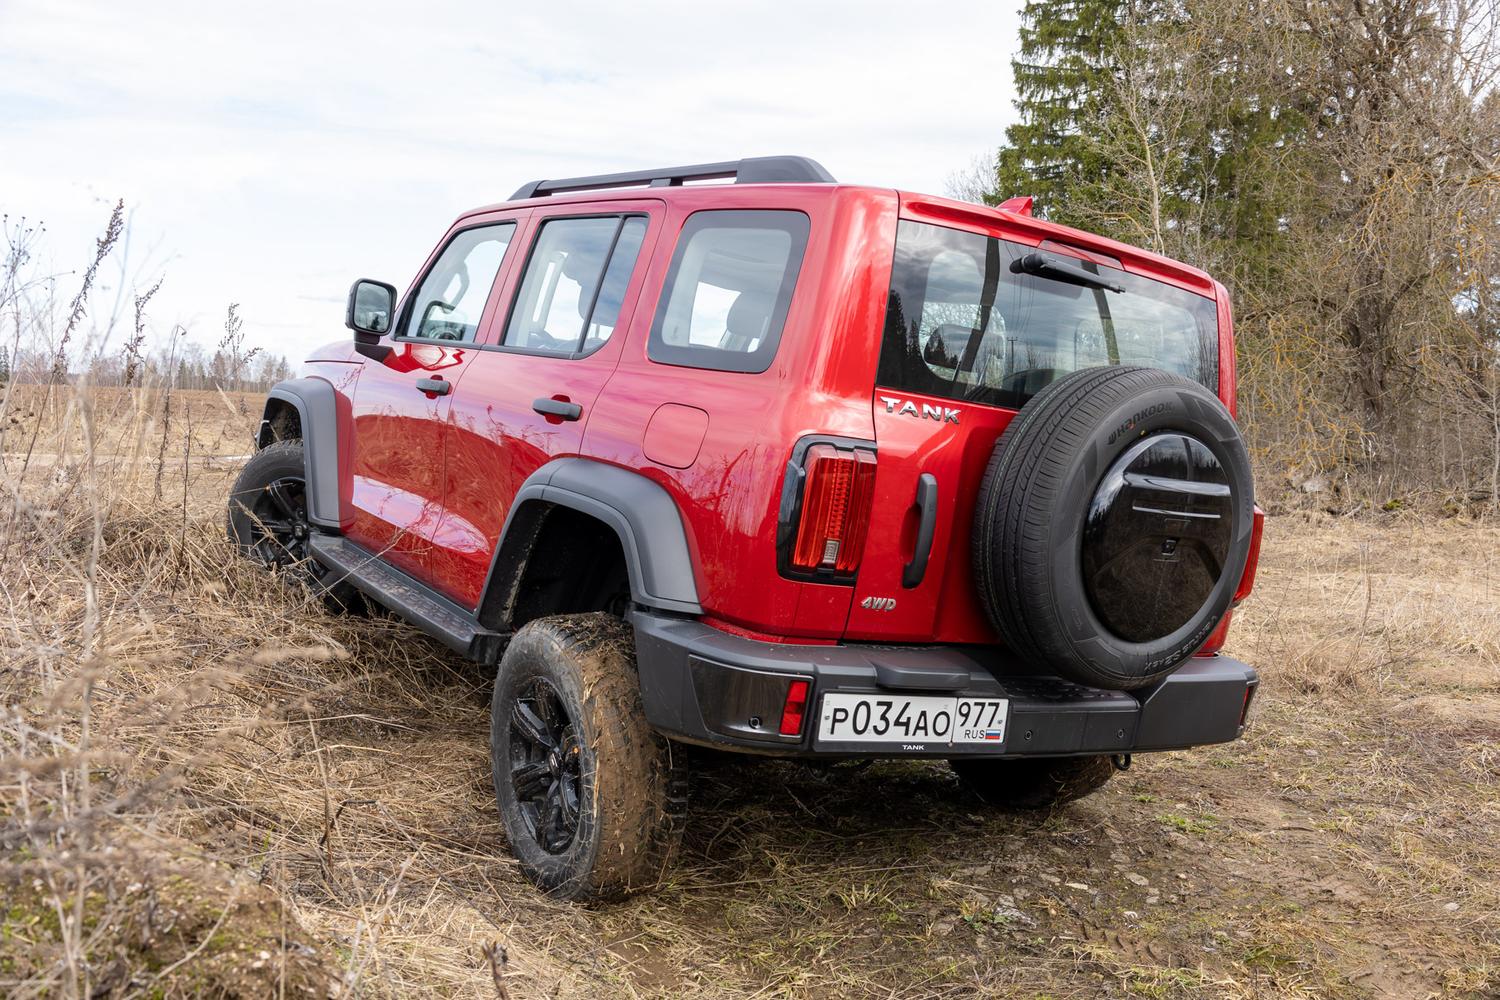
{"type": "Point", "coordinates": [914, 722]}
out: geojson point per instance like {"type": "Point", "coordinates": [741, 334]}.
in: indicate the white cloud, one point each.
{"type": "Point", "coordinates": [272, 152]}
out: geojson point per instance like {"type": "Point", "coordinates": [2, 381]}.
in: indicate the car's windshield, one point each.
{"type": "Point", "coordinates": [966, 320]}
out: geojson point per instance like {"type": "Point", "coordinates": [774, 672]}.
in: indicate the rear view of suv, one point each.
{"type": "Point", "coordinates": [779, 466]}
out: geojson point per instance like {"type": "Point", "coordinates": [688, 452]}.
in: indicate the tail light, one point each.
{"type": "Point", "coordinates": [1247, 578]}
{"type": "Point", "coordinates": [1247, 583]}
{"type": "Point", "coordinates": [794, 708]}
{"type": "Point", "coordinates": [825, 510]}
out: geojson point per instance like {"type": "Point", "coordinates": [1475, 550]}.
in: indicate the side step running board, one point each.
{"type": "Point", "coordinates": [418, 603]}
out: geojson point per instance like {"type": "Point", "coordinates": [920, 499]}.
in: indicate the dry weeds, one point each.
{"type": "Point", "coordinates": [208, 785]}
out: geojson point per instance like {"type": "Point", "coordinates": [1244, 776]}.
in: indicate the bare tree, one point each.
{"type": "Point", "coordinates": [976, 181]}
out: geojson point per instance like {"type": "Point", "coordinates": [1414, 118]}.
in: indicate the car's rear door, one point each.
{"type": "Point", "coordinates": [970, 337]}
{"type": "Point", "coordinates": [546, 355]}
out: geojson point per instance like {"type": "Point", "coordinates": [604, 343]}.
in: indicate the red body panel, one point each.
{"type": "Point", "coordinates": [730, 493]}
{"type": "Point", "coordinates": [432, 479]}
{"type": "Point", "coordinates": [397, 467]}
{"type": "Point", "coordinates": [496, 439]}
{"type": "Point", "coordinates": [944, 603]}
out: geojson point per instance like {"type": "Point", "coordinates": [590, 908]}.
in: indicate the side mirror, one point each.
{"type": "Point", "coordinates": [371, 304]}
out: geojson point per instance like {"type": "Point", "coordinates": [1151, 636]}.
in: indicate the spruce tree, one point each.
{"type": "Point", "coordinates": [1061, 74]}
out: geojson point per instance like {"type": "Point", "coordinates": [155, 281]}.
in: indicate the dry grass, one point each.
{"type": "Point", "coordinates": [210, 786]}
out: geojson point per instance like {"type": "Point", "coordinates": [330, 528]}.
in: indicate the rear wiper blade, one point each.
{"type": "Point", "coordinates": [1049, 267]}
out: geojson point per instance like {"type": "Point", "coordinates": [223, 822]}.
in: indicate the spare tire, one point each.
{"type": "Point", "coordinates": [1113, 524]}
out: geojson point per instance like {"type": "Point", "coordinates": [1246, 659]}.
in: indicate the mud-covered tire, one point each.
{"type": "Point", "coordinates": [1046, 495]}
{"type": "Point", "coordinates": [631, 790]}
{"type": "Point", "coordinates": [252, 511]}
{"type": "Point", "coordinates": [1032, 782]}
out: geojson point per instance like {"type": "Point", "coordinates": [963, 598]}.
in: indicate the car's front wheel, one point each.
{"type": "Point", "coordinates": [268, 521]}
{"type": "Point", "coordinates": [590, 795]}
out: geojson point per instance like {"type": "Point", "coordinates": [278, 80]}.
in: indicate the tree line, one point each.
{"type": "Point", "coordinates": [191, 366]}
{"type": "Point", "coordinates": [1336, 163]}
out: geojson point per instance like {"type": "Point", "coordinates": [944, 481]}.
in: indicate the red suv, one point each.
{"type": "Point", "coordinates": [780, 466]}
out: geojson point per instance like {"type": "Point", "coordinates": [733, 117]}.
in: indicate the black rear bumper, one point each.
{"type": "Point", "coordinates": [705, 686]}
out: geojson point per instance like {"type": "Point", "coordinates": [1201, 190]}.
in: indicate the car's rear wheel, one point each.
{"type": "Point", "coordinates": [1113, 523]}
{"type": "Point", "coordinates": [591, 797]}
{"type": "Point", "coordinates": [268, 522]}
{"type": "Point", "coordinates": [1032, 782]}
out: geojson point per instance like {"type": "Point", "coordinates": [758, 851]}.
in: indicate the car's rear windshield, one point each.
{"type": "Point", "coordinates": [969, 321]}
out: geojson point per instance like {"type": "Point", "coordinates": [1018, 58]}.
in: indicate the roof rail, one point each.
{"type": "Point", "coordinates": [751, 170]}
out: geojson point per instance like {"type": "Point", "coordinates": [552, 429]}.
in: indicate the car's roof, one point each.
{"type": "Point", "coordinates": [933, 209]}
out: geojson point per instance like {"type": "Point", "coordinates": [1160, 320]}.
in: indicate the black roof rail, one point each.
{"type": "Point", "coordinates": [751, 170]}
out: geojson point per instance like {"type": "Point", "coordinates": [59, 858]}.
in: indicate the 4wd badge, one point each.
{"type": "Point", "coordinates": [879, 603]}
{"type": "Point", "coordinates": [906, 408]}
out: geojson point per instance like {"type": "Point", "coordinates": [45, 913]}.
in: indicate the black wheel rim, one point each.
{"type": "Point", "coordinates": [279, 526]}
{"type": "Point", "coordinates": [1157, 536]}
{"type": "Point", "coordinates": [544, 766]}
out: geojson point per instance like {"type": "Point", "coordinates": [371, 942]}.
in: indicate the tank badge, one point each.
{"type": "Point", "coordinates": [906, 408]}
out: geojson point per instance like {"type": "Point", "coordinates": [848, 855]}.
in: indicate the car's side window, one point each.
{"type": "Point", "coordinates": [729, 289]}
{"type": "Point", "coordinates": [570, 296]}
{"type": "Point", "coordinates": [451, 298]}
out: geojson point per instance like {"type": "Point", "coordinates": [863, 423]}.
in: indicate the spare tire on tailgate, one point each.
{"type": "Point", "coordinates": [1113, 524]}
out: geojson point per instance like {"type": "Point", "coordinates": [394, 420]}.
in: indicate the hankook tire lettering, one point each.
{"type": "Point", "coordinates": [1136, 418]}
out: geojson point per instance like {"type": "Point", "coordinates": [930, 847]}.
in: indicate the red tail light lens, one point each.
{"type": "Point", "coordinates": [838, 487]}
{"type": "Point", "coordinates": [1216, 638]}
{"type": "Point", "coordinates": [1247, 578]}
{"type": "Point", "coordinates": [794, 709]}
{"type": "Point", "coordinates": [1247, 583]}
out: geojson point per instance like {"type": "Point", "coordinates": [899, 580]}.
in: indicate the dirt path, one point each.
{"type": "Point", "coordinates": [1346, 848]}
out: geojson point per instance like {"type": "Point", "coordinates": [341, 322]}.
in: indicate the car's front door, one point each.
{"type": "Point", "coordinates": [401, 400]}
{"type": "Point", "coordinates": [527, 397]}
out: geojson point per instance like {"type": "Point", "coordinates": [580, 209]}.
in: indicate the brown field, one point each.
{"type": "Point", "coordinates": [209, 786]}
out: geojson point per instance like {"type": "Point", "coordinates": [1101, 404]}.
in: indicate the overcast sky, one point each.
{"type": "Point", "coordinates": [270, 153]}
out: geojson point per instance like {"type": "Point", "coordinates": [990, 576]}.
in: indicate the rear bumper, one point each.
{"type": "Point", "coordinates": [704, 686]}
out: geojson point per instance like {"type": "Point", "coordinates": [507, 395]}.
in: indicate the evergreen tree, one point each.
{"type": "Point", "coordinates": [1062, 74]}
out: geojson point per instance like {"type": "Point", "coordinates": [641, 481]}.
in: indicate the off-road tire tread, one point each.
{"type": "Point", "coordinates": [1033, 783]}
{"type": "Point", "coordinates": [640, 778]}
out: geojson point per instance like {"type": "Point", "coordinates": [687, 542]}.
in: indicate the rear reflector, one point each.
{"type": "Point", "coordinates": [838, 488]}
{"type": "Point", "coordinates": [1245, 709]}
{"type": "Point", "coordinates": [794, 709]}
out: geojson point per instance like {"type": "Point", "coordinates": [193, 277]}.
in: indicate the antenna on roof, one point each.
{"type": "Point", "coordinates": [751, 170]}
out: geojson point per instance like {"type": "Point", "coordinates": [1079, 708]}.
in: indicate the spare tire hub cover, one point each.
{"type": "Point", "coordinates": [1157, 534]}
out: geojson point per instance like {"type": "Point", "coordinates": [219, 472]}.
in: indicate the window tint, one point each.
{"type": "Point", "coordinates": [570, 298]}
{"type": "Point", "coordinates": [729, 289]}
{"type": "Point", "coordinates": [616, 279]}
{"type": "Point", "coordinates": [961, 323]}
{"type": "Point", "coordinates": [452, 297]}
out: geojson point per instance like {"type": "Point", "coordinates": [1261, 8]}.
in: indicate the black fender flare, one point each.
{"type": "Point", "coordinates": [641, 512]}
{"type": "Point", "coordinates": [316, 403]}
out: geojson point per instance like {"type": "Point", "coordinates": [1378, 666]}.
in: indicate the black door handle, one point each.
{"type": "Point", "coordinates": [438, 386]}
{"type": "Point", "coordinates": [557, 408]}
{"type": "Point", "coordinates": [926, 527]}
